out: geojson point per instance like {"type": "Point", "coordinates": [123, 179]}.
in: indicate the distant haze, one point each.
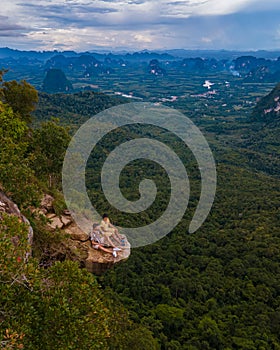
{"type": "Point", "coordinates": [83, 25]}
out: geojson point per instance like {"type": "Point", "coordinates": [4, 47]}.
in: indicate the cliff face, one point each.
{"type": "Point", "coordinates": [56, 81]}
{"type": "Point", "coordinates": [9, 207]}
{"type": "Point", "coordinates": [95, 260]}
{"type": "Point", "coordinates": [78, 245]}
{"type": "Point", "coordinates": [156, 69]}
{"type": "Point", "coordinates": [268, 108]}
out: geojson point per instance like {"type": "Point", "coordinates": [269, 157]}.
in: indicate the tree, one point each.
{"type": "Point", "coordinates": [14, 278]}
{"type": "Point", "coordinates": [171, 317]}
{"type": "Point", "coordinates": [58, 308]}
{"type": "Point", "coordinates": [49, 144]}
{"type": "Point", "coordinates": [210, 332]}
{"type": "Point", "coordinates": [15, 174]}
{"type": "Point", "coordinates": [22, 97]}
{"type": "Point", "coordinates": [61, 307]}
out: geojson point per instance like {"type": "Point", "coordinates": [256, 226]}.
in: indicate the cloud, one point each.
{"type": "Point", "coordinates": [262, 6]}
{"type": "Point", "coordinates": [191, 8]}
{"type": "Point", "coordinates": [137, 24]}
{"type": "Point", "coordinates": [238, 31]}
{"type": "Point", "coordinates": [81, 16]}
{"type": "Point", "coordinates": [58, 14]}
{"type": "Point", "coordinates": [64, 9]}
{"type": "Point", "coordinates": [9, 29]}
{"type": "Point", "coordinates": [126, 2]}
{"type": "Point", "coordinates": [142, 38]}
{"type": "Point", "coordinates": [8, 34]}
{"type": "Point", "coordinates": [67, 15]}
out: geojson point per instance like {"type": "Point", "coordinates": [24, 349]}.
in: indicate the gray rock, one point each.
{"type": "Point", "coordinates": [55, 223]}
{"type": "Point", "coordinates": [51, 215]}
{"type": "Point", "coordinates": [9, 207]}
{"type": "Point", "coordinates": [96, 261]}
{"type": "Point", "coordinates": [47, 203]}
{"type": "Point", "coordinates": [66, 220]}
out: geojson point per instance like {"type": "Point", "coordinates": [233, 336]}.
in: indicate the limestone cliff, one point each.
{"type": "Point", "coordinates": [9, 207]}
{"type": "Point", "coordinates": [78, 245]}
{"type": "Point", "coordinates": [94, 260]}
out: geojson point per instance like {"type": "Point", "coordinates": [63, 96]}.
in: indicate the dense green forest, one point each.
{"type": "Point", "coordinates": [63, 306]}
{"type": "Point", "coordinates": [217, 288]}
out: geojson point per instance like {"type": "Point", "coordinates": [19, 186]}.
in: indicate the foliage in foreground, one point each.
{"type": "Point", "coordinates": [61, 307]}
{"type": "Point", "coordinates": [215, 289]}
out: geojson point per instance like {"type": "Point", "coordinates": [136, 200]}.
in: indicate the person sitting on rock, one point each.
{"type": "Point", "coordinates": [97, 241]}
{"type": "Point", "coordinates": [109, 230]}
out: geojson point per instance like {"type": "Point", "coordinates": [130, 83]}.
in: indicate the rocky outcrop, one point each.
{"type": "Point", "coordinates": [156, 69]}
{"type": "Point", "coordinates": [78, 246]}
{"type": "Point", "coordinates": [268, 108]}
{"type": "Point", "coordinates": [9, 207]}
{"type": "Point", "coordinates": [46, 204]}
{"type": "Point", "coordinates": [56, 81]}
{"type": "Point", "coordinates": [94, 260]}
{"type": "Point", "coordinates": [54, 221]}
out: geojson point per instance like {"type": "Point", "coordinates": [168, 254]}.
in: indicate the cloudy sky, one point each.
{"type": "Point", "coordinates": [140, 24]}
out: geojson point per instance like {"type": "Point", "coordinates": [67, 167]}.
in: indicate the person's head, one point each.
{"type": "Point", "coordinates": [95, 225]}
{"type": "Point", "coordinates": [105, 217]}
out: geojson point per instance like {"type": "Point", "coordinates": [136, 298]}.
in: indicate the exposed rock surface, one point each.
{"type": "Point", "coordinates": [47, 203]}
{"type": "Point", "coordinates": [155, 68]}
{"type": "Point", "coordinates": [9, 207]}
{"type": "Point", "coordinates": [268, 108]}
{"type": "Point", "coordinates": [94, 260]}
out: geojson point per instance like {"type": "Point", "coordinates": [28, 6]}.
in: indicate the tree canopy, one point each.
{"type": "Point", "coordinates": [63, 306]}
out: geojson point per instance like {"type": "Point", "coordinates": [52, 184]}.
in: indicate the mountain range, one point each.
{"type": "Point", "coordinates": [82, 69]}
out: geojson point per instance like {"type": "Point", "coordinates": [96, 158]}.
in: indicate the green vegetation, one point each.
{"type": "Point", "coordinates": [62, 306]}
{"type": "Point", "coordinates": [73, 109]}
{"type": "Point", "coordinates": [56, 81]}
{"type": "Point", "coordinates": [49, 144]}
{"type": "Point", "coordinates": [215, 289]}
{"type": "Point", "coordinates": [16, 176]}
{"type": "Point", "coordinates": [22, 97]}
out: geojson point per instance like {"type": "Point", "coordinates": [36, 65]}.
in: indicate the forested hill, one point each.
{"type": "Point", "coordinates": [267, 109]}
{"type": "Point", "coordinates": [262, 142]}
{"type": "Point", "coordinates": [256, 139]}
{"type": "Point", "coordinates": [47, 300]}
{"type": "Point", "coordinates": [219, 287]}
{"type": "Point", "coordinates": [215, 289]}
{"type": "Point", "coordinates": [250, 140]}
{"type": "Point", "coordinates": [73, 109]}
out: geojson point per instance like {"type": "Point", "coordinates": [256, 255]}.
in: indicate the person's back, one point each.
{"type": "Point", "coordinates": [107, 228]}
{"type": "Point", "coordinates": [96, 234]}
{"type": "Point", "coordinates": [104, 225]}
{"type": "Point", "coordinates": [110, 231]}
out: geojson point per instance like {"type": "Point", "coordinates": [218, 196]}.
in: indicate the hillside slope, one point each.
{"type": "Point", "coordinates": [217, 288]}
{"type": "Point", "coordinates": [73, 109]}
